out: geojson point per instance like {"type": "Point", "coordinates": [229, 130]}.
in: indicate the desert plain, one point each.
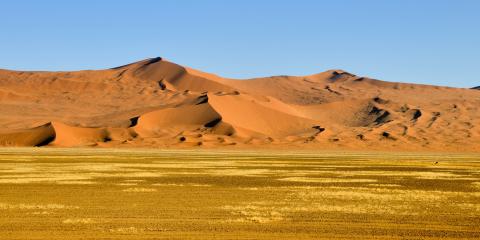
{"type": "Point", "coordinates": [156, 150]}
{"type": "Point", "coordinates": [96, 193]}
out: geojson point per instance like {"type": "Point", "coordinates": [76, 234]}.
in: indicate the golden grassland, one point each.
{"type": "Point", "coordinates": [169, 194]}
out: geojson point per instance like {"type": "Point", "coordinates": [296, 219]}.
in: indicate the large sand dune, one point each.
{"type": "Point", "coordinates": [156, 103]}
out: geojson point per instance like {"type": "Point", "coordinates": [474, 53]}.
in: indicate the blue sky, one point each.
{"type": "Point", "coordinates": [432, 42]}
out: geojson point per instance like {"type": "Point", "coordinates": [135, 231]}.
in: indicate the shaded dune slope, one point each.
{"type": "Point", "coordinates": [157, 103]}
{"type": "Point", "coordinates": [37, 136]}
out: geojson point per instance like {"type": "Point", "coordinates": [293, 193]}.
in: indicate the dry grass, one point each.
{"type": "Point", "coordinates": [140, 190]}
{"type": "Point", "coordinates": [113, 194]}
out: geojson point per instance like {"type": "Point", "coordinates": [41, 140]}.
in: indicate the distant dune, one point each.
{"type": "Point", "coordinates": [156, 103]}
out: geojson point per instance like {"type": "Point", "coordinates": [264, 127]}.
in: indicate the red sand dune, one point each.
{"type": "Point", "coordinates": [156, 103]}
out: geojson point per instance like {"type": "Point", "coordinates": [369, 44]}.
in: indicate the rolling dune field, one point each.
{"type": "Point", "coordinates": [155, 103]}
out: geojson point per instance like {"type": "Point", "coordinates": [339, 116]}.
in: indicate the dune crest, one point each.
{"type": "Point", "coordinates": [157, 103]}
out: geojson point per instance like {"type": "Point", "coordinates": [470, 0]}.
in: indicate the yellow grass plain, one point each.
{"type": "Point", "coordinates": [55, 193]}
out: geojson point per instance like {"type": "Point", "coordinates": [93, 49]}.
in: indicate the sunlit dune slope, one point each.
{"type": "Point", "coordinates": [157, 103]}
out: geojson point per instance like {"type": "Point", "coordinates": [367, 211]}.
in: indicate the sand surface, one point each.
{"type": "Point", "coordinates": [157, 103]}
{"type": "Point", "coordinates": [151, 194]}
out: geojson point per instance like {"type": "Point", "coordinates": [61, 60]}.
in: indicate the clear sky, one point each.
{"type": "Point", "coordinates": [421, 41]}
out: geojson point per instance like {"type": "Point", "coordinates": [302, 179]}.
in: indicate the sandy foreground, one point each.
{"type": "Point", "coordinates": [154, 194]}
